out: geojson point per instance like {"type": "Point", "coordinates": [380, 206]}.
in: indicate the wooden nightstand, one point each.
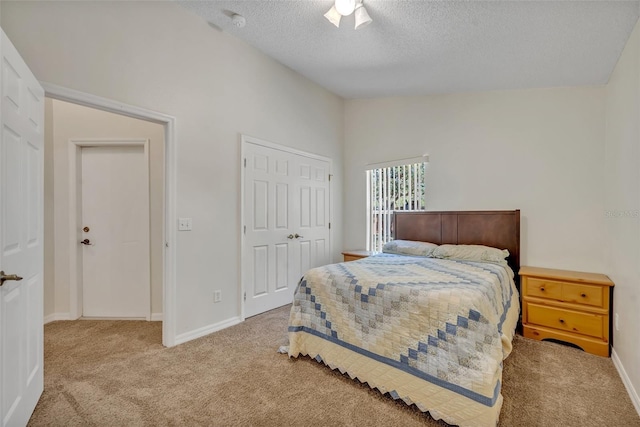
{"type": "Point", "coordinates": [356, 255]}
{"type": "Point", "coordinates": [567, 306]}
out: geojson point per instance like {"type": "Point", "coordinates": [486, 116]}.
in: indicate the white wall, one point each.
{"type": "Point", "coordinates": [622, 205]}
{"type": "Point", "coordinates": [70, 121]}
{"type": "Point", "coordinates": [539, 150]}
{"type": "Point", "coordinates": [158, 56]}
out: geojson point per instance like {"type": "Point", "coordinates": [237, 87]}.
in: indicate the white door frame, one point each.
{"type": "Point", "coordinates": [76, 285]}
{"type": "Point", "coordinates": [244, 139]}
{"type": "Point", "coordinates": [169, 229]}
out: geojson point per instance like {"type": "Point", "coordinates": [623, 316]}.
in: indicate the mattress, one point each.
{"type": "Point", "coordinates": [428, 331]}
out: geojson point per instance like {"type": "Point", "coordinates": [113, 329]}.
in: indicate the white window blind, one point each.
{"type": "Point", "coordinates": [392, 187]}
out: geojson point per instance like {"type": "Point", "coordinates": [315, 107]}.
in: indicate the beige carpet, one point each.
{"type": "Point", "coordinates": [108, 373]}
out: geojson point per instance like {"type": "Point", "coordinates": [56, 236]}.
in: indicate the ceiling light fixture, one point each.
{"type": "Point", "coordinates": [333, 16]}
{"type": "Point", "coordinates": [362, 16]}
{"type": "Point", "coordinates": [345, 8]}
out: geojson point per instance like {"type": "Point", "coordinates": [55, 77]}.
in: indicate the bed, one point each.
{"type": "Point", "coordinates": [432, 332]}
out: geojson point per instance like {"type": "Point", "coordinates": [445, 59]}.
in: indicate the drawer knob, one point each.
{"type": "Point", "coordinates": [583, 295]}
{"type": "Point", "coordinates": [542, 289]}
{"type": "Point", "coordinates": [561, 320]}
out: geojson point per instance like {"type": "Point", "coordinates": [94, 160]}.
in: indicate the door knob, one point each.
{"type": "Point", "coordinates": [290, 236]}
{"type": "Point", "coordinates": [86, 242]}
{"type": "Point", "coordinates": [5, 277]}
{"type": "Point", "coordinates": [297, 236]}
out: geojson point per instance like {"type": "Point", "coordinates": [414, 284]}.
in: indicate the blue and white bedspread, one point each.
{"type": "Point", "coordinates": [429, 331]}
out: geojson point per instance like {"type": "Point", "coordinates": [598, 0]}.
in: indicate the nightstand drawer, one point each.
{"type": "Point", "coordinates": [567, 292]}
{"type": "Point", "coordinates": [544, 288]}
{"type": "Point", "coordinates": [566, 320]}
{"type": "Point", "coordinates": [582, 294]}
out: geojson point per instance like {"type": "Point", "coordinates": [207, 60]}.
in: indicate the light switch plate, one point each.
{"type": "Point", "coordinates": [184, 224]}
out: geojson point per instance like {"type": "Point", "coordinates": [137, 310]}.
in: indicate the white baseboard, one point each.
{"type": "Point", "coordinates": [155, 317]}
{"type": "Point", "coordinates": [56, 316]}
{"type": "Point", "coordinates": [206, 330]}
{"type": "Point", "coordinates": [112, 318]}
{"type": "Point", "coordinates": [633, 394]}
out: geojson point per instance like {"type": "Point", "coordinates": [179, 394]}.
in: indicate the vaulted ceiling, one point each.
{"type": "Point", "coordinates": [418, 47]}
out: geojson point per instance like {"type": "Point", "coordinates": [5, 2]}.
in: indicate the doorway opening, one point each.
{"type": "Point", "coordinates": [96, 147]}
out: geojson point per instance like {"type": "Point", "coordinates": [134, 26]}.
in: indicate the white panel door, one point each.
{"type": "Point", "coordinates": [286, 228]}
{"type": "Point", "coordinates": [115, 211]}
{"type": "Point", "coordinates": [21, 236]}
{"type": "Point", "coordinates": [312, 183]}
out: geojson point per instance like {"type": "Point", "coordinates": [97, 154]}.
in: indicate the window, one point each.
{"type": "Point", "coordinates": [396, 186]}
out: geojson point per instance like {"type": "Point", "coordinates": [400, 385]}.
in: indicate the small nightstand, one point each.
{"type": "Point", "coordinates": [356, 255]}
{"type": "Point", "coordinates": [567, 306]}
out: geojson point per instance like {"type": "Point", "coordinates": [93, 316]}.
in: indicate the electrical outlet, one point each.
{"type": "Point", "coordinates": [616, 321]}
{"type": "Point", "coordinates": [184, 224]}
{"type": "Point", "coordinates": [217, 296]}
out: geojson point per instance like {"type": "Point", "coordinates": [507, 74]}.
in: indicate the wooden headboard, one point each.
{"type": "Point", "coordinates": [499, 229]}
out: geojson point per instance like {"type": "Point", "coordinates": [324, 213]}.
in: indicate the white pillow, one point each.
{"type": "Point", "coordinates": [409, 247]}
{"type": "Point", "coordinates": [471, 253]}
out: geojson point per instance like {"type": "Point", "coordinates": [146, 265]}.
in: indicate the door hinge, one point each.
{"type": "Point", "coordinates": [245, 296]}
{"type": "Point", "coordinates": [329, 226]}
{"type": "Point", "coordinates": [244, 229]}
{"type": "Point", "coordinates": [245, 162]}
{"type": "Point", "coordinates": [330, 177]}
{"type": "Point", "coordinates": [166, 244]}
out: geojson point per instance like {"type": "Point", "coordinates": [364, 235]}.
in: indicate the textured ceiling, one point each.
{"type": "Point", "coordinates": [418, 47]}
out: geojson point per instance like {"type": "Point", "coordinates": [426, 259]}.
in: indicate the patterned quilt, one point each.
{"type": "Point", "coordinates": [430, 331]}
